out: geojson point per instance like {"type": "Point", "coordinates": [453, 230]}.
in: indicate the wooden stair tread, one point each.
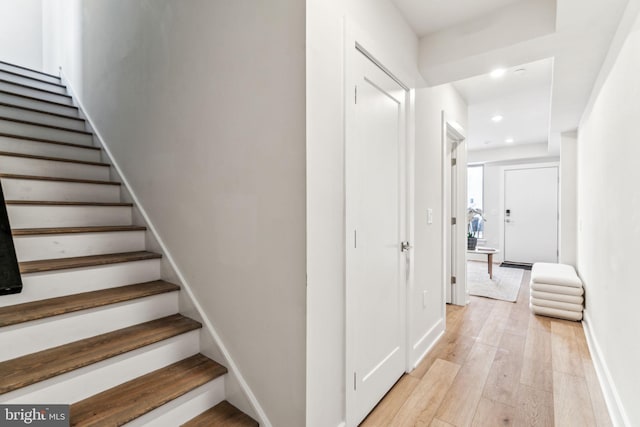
{"type": "Point", "coordinates": [28, 122]}
{"type": "Point", "coordinates": [64, 203]}
{"type": "Point", "coordinates": [24, 76]}
{"type": "Point", "coordinates": [75, 230]}
{"type": "Point", "coordinates": [84, 261]}
{"type": "Point", "coordinates": [223, 414]}
{"type": "Point", "coordinates": [128, 401]}
{"type": "Point", "coordinates": [38, 99]}
{"type": "Point", "coordinates": [34, 310]}
{"type": "Point", "coordinates": [40, 366]}
{"type": "Point", "coordinates": [30, 69]}
{"type": "Point", "coordinates": [34, 88]}
{"type": "Point", "coordinates": [53, 178]}
{"type": "Point", "coordinates": [53, 159]}
{"type": "Point", "coordinates": [48, 141]}
{"type": "Point", "coordinates": [35, 110]}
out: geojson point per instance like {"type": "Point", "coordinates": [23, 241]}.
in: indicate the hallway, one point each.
{"type": "Point", "coordinates": [498, 364]}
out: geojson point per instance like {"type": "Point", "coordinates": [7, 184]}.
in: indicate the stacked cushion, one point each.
{"type": "Point", "coordinates": [556, 291]}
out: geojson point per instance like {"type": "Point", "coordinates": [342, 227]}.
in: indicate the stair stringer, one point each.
{"type": "Point", "coordinates": [237, 390]}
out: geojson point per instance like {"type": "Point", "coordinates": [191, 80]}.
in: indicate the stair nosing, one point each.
{"type": "Point", "coordinates": [30, 123]}
{"type": "Point", "coordinates": [100, 298]}
{"type": "Point", "coordinates": [238, 418]}
{"type": "Point", "coordinates": [56, 264]}
{"type": "Point", "coordinates": [53, 178]}
{"type": "Point", "coordinates": [35, 88]}
{"type": "Point", "coordinates": [48, 141]}
{"type": "Point", "coordinates": [56, 365]}
{"type": "Point", "coordinates": [202, 369]}
{"type": "Point", "coordinates": [33, 98]}
{"type": "Point", "coordinates": [29, 69]}
{"type": "Point", "coordinates": [35, 78]}
{"type": "Point", "coordinates": [35, 110]}
{"type": "Point", "coordinates": [17, 232]}
{"type": "Point", "coordinates": [52, 159]}
{"type": "Point", "coordinates": [64, 203]}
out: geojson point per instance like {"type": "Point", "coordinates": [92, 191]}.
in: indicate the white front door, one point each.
{"type": "Point", "coordinates": [531, 215]}
{"type": "Point", "coordinates": [375, 278]}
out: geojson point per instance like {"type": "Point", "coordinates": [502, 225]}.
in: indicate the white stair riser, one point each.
{"type": "Point", "coordinates": [93, 379]}
{"type": "Point", "coordinates": [29, 73]}
{"type": "Point", "coordinates": [31, 189]}
{"type": "Point", "coordinates": [52, 168]}
{"type": "Point", "coordinates": [184, 408]}
{"type": "Point", "coordinates": [39, 132]}
{"type": "Point", "coordinates": [36, 148]}
{"type": "Point", "coordinates": [44, 216]}
{"type": "Point", "coordinates": [30, 337]}
{"type": "Point", "coordinates": [52, 284]}
{"type": "Point", "coordinates": [32, 82]}
{"type": "Point", "coordinates": [38, 105]}
{"type": "Point", "coordinates": [42, 118]}
{"type": "Point", "coordinates": [35, 93]}
{"type": "Point", "coordinates": [55, 246]}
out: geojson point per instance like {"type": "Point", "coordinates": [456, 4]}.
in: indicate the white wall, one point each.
{"type": "Point", "coordinates": [207, 122]}
{"type": "Point", "coordinates": [388, 37]}
{"type": "Point", "coordinates": [428, 252]}
{"type": "Point", "coordinates": [609, 227]}
{"type": "Point", "coordinates": [21, 32]}
{"type": "Point", "coordinates": [568, 198]}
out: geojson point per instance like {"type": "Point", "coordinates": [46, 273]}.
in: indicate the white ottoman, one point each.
{"type": "Point", "coordinates": [556, 291]}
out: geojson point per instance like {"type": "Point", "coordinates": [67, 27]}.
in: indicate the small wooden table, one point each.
{"type": "Point", "coordinates": [489, 252]}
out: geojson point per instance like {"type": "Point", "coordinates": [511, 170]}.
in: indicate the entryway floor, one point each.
{"type": "Point", "coordinates": [499, 365]}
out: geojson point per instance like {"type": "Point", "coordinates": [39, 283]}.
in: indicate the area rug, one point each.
{"type": "Point", "coordinates": [504, 285]}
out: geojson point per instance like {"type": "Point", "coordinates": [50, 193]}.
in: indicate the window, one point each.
{"type": "Point", "coordinates": [475, 212]}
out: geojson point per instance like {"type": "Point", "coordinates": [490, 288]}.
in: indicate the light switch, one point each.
{"type": "Point", "coordinates": [429, 216]}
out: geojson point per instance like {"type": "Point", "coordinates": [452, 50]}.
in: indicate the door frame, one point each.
{"type": "Point", "coordinates": [358, 42]}
{"type": "Point", "coordinates": [501, 215]}
{"type": "Point", "coordinates": [452, 131]}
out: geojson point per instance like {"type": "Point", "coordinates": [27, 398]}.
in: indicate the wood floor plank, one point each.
{"type": "Point", "coordinates": [128, 401]}
{"type": "Point", "coordinates": [504, 377]}
{"type": "Point", "coordinates": [36, 367]}
{"type": "Point", "coordinates": [223, 414]}
{"type": "Point", "coordinates": [571, 401]}
{"type": "Point", "coordinates": [461, 401]}
{"type": "Point", "coordinates": [534, 407]}
{"type": "Point", "coordinates": [493, 414]}
{"type": "Point", "coordinates": [439, 423]}
{"type": "Point", "coordinates": [537, 369]}
{"type": "Point", "coordinates": [598, 403]}
{"type": "Point", "coordinates": [19, 313]}
{"type": "Point", "coordinates": [565, 353]}
{"type": "Point", "coordinates": [422, 404]}
{"type": "Point", "coordinates": [388, 407]}
{"type": "Point", "coordinates": [495, 324]}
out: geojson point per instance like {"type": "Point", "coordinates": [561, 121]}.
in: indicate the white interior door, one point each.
{"type": "Point", "coordinates": [375, 279]}
{"type": "Point", "coordinates": [450, 255]}
{"type": "Point", "coordinates": [531, 215]}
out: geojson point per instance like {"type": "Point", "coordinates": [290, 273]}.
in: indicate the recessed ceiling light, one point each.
{"type": "Point", "coordinates": [497, 118]}
{"type": "Point", "coordinates": [509, 140]}
{"type": "Point", "coordinates": [497, 73]}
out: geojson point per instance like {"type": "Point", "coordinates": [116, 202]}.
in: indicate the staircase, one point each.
{"type": "Point", "coordinates": [95, 325]}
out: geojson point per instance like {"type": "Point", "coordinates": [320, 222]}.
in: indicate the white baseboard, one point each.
{"type": "Point", "coordinates": [208, 326]}
{"type": "Point", "coordinates": [433, 330]}
{"type": "Point", "coordinates": [617, 412]}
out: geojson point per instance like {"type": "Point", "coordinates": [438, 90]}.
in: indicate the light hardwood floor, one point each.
{"type": "Point", "coordinates": [499, 365]}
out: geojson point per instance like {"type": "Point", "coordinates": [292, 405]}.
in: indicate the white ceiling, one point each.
{"type": "Point", "coordinates": [460, 39]}
{"type": "Point", "coordinates": [429, 16]}
{"type": "Point", "coordinates": [522, 98]}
